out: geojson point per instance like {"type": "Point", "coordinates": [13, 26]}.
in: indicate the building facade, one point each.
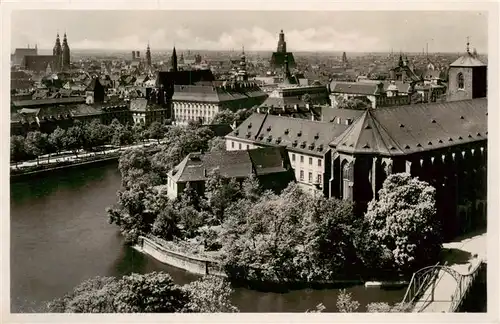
{"type": "Point", "coordinates": [305, 141]}
{"type": "Point", "coordinates": [467, 78]}
{"type": "Point", "coordinates": [269, 165]}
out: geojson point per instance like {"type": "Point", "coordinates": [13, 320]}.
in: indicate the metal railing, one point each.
{"type": "Point", "coordinates": [419, 282]}
{"type": "Point", "coordinates": [463, 287]}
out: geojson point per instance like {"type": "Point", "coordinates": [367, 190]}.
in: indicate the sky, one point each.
{"type": "Point", "coordinates": [350, 31]}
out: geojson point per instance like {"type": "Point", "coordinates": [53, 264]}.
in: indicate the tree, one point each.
{"type": "Point", "coordinates": [117, 132]}
{"type": "Point", "coordinates": [290, 236]}
{"type": "Point", "coordinates": [94, 295]}
{"type": "Point", "coordinates": [201, 296]}
{"type": "Point", "coordinates": [403, 221]}
{"type": "Point", "coordinates": [345, 303]}
{"type": "Point", "coordinates": [353, 103]}
{"type": "Point", "coordinates": [156, 131]}
{"type": "Point", "coordinates": [75, 138]}
{"type": "Point", "coordinates": [96, 134]}
{"type": "Point", "coordinates": [251, 188]}
{"type": "Point", "coordinates": [306, 98]}
{"type": "Point", "coordinates": [57, 138]}
{"type": "Point", "coordinates": [165, 225]}
{"type": "Point", "coordinates": [225, 116]}
{"type": "Point", "coordinates": [153, 292]}
{"type": "Point", "coordinates": [36, 144]}
{"type": "Point", "coordinates": [17, 148]}
{"type": "Point", "coordinates": [139, 132]}
{"type": "Point", "coordinates": [217, 144]}
{"type": "Point", "coordinates": [220, 193]}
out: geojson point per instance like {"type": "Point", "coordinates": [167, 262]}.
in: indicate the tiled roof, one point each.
{"type": "Point", "coordinates": [467, 60]}
{"type": "Point", "coordinates": [300, 135]}
{"type": "Point", "coordinates": [229, 164]}
{"type": "Point", "coordinates": [354, 88]}
{"type": "Point", "coordinates": [46, 102]}
{"type": "Point", "coordinates": [200, 93]}
{"type": "Point", "coordinates": [402, 86]}
{"type": "Point", "coordinates": [183, 77]}
{"type": "Point", "coordinates": [415, 128]}
{"type": "Point", "coordinates": [335, 115]}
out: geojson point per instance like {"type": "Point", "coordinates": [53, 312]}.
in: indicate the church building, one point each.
{"type": "Point", "coordinates": [281, 55]}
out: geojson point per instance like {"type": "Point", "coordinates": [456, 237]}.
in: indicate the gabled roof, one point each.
{"type": "Point", "coordinates": [299, 135]}
{"type": "Point", "coordinates": [415, 128]}
{"type": "Point", "coordinates": [366, 135]}
{"type": "Point", "coordinates": [354, 88]}
{"type": "Point", "coordinates": [467, 60]}
{"type": "Point", "coordinates": [209, 93]}
{"type": "Point", "coordinates": [229, 164]}
{"type": "Point", "coordinates": [46, 102]}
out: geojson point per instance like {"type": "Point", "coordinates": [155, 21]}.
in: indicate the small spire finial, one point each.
{"type": "Point", "coordinates": [468, 50]}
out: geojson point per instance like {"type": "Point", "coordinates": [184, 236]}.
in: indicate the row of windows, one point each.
{"type": "Point", "coordinates": [319, 177]}
{"type": "Point", "coordinates": [310, 160]}
{"type": "Point", "coordinates": [189, 112]}
{"type": "Point", "coordinates": [239, 146]}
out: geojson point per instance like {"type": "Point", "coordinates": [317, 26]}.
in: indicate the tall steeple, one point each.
{"type": "Point", "coordinates": [281, 43]}
{"type": "Point", "coordinates": [148, 56]}
{"type": "Point", "coordinates": [65, 53]}
{"type": "Point", "coordinates": [174, 60]}
{"type": "Point", "coordinates": [57, 52]}
{"type": "Point", "coordinates": [287, 77]}
{"type": "Point", "coordinates": [242, 73]}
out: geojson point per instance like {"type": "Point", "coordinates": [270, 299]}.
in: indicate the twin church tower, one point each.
{"type": "Point", "coordinates": [61, 54]}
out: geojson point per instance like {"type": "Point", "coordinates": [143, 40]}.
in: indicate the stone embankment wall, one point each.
{"type": "Point", "coordinates": [189, 263]}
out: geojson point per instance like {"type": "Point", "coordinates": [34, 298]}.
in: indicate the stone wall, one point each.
{"type": "Point", "coordinates": [176, 259]}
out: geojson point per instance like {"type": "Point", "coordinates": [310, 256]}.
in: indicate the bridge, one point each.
{"type": "Point", "coordinates": [440, 288]}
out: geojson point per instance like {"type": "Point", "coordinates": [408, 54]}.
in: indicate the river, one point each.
{"type": "Point", "coordinates": [60, 236]}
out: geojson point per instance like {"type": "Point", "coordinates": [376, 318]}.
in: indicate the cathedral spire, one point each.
{"type": "Point", "coordinates": [281, 43]}
{"type": "Point", "coordinates": [242, 73]}
{"type": "Point", "coordinates": [65, 53]}
{"type": "Point", "coordinates": [148, 56]}
{"type": "Point", "coordinates": [174, 60]}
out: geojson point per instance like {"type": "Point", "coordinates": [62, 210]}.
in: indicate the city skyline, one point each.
{"type": "Point", "coordinates": [309, 31]}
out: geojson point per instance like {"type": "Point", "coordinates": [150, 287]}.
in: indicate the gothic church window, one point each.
{"type": "Point", "coordinates": [460, 80]}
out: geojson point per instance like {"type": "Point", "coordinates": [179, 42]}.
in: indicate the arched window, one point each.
{"type": "Point", "coordinates": [347, 180]}
{"type": "Point", "coordinates": [460, 80]}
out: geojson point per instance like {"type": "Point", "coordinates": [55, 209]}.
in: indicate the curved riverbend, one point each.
{"type": "Point", "coordinates": [60, 236]}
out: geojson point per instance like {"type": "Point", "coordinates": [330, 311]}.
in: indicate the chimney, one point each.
{"type": "Point", "coordinates": [296, 107]}
{"type": "Point", "coordinates": [205, 174]}
{"type": "Point", "coordinates": [338, 120]}
{"type": "Point", "coordinates": [308, 106]}
{"type": "Point", "coordinates": [348, 121]}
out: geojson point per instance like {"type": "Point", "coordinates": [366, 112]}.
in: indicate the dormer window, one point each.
{"type": "Point", "coordinates": [460, 80]}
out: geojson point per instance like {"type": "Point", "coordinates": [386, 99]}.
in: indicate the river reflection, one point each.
{"type": "Point", "coordinates": [60, 236]}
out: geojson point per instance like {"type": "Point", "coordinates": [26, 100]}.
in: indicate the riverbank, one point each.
{"type": "Point", "coordinates": [63, 214]}
{"type": "Point", "coordinates": [204, 266]}
{"type": "Point", "coordinates": [32, 168]}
